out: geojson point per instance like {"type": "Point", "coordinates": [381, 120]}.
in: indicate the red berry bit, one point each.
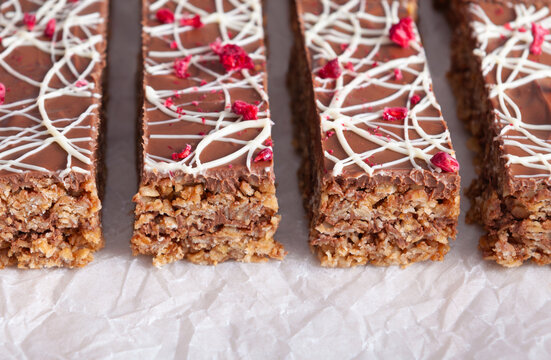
{"type": "Point", "coordinates": [415, 99]}
{"type": "Point", "coordinates": [264, 155]}
{"type": "Point", "coordinates": [538, 32]}
{"type": "Point", "coordinates": [395, 113]}
{"type": "Point", "coordinates": [232, 57]}
{"type": "Point", "coordinates": [402, 33]}
{"type": "Point", "coordinates": [181, 66]}
{"type": "Point", "coordinates": [398, 74]}
{"type": "Point", "coordinates": [194, 22]}
{"type": "Point", "coordinates": [183, 154]}
{"type": "Point", "coordinates": [50, 28]}
{"type": "Point", "coordinates": [248, 111]}
{"type": "Point", "coordinates": [445, 162]}
{"type": "Point", "coordinates": [2, 93]}
{"type": "Point", "coordinates": [166, 16]}
{"type": "Point", "coordinates": [331, 70]}
{"type": "Point", "coordinates": [29, 20]}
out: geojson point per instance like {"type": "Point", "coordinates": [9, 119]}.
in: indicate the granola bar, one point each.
{"type": "Point", "coordinates": [52, 62]}
{"type": "Point", "coordinates": [501, 75]}
{"type": "Point", "coordinates": [207, 189]}
{"type": "Point", "coordinates": [379, 177]}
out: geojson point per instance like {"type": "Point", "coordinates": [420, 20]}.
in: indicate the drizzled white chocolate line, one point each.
{"type": "Point", "coordinates": [340, 24]}
{"type": "Point", "coordinates": [244, 21]}
{"type": "Point", "coordinates": [47, 130]}
{"type": "Point", "coordinates": [523, 72]}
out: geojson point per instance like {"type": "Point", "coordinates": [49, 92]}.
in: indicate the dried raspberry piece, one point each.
{"type": "Point", "coordinates": [166, 16]}
{"type": "Point", "coordinates": [182, 154]}
{"type": "Point", "coordinates": [349, 66]}
{"type": "Point", "coordinates": [2, 93]}
{"type": "Point", "coordinates": [29, 20]}
{"type": "Point", "coordinates": [402, 32]}
{"type": "Point", "coordinates": [50, 28]}
{"type": "Point", "coordinates": [398, 74]}
{"type": "Point", "coordinates": [331, 70]}
{"type": "Point", "coordinates": [445, 161]}
{"type": "Point", "coordinates": [169, 102]}
{"type": "Point", "coordinates": [194, 22]}
{"type": "Point", "coordinates": [395, 113]}
{"type": "Point", "coordinates": [415, 100]}
{"type": "Point", "coordinates": [248, 111]}
{"type": "Point", "coordinates": [181, 66]}
{"type": "Point", "coordinates": [269, 142]}
{"type": "Point", "coordinates": [232, 57]}
{"type": "Point", "coordinates": [538, 32]}
{"type": "Point", "coordinates": [81, 83]}
{"type": "Point", "coordinates": [264, 155]}
{"type": "Point", "coordinates": [173, 45]}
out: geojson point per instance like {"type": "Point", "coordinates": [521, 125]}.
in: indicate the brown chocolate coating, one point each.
{"type": "Point", "coordinates": [374, 92]}
{"type": "Point", "coordinates": [191, 98]}
{"type": "Point", "coordinates": [533, 100]}
{"type": "Point", "coordinates": [20, 123]}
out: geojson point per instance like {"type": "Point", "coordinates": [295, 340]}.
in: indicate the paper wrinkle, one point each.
{"type": "Point", "coordinates": [121, 307]}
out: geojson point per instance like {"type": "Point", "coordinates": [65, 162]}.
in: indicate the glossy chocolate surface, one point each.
{"type": "Point", "coordinates": [50, 119]}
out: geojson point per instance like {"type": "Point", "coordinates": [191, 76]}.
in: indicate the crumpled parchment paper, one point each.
{"type": "Point", "coordinates": [120, 307]}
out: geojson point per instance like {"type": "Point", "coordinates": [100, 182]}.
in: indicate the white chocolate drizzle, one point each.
{"type": "Point", "coordinates": [340, 24]}
{"type": "Point", "coordinates": [244, 21]}
{"type": "Point", "coordinates": [19, 143]}
{"type": "Point", "coordinates": [512, 57]}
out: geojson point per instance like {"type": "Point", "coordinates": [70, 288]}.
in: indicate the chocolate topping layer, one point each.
{"type": "Point", "coordinates": [196, 109]}
{"type": "Point", "coordinates": [377, 74]}
{"type": "Point", "coordinates": [49, 120]}
{"type": "Point", "coordinates": [518, 84]}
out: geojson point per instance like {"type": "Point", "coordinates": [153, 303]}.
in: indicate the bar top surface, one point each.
{"type": "Point", "coordinates": [517, 74]}
{"type": "Point", "coordinates": [51, 61]}
{"type": "Point", "coordinates": [195, 106]}
{"type": "Point", "coordinates": [377, 74]}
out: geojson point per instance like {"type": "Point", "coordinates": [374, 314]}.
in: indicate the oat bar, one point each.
{"type": "Point", "coordinates": [379, 177]}
{"type": "Point", "coordinates": [207, 191]}
{"type": "Point", "coordinates": [52, 62]}
{"type": "Point", "coordinates": [501, 75]}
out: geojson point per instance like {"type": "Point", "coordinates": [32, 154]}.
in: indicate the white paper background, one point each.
{"type": "Point", "coordinates": [121, 307]}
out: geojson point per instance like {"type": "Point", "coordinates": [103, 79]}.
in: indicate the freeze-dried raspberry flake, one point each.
{"type": "Point", "coordinates": [415, 100]}
{"type": "Point", "coordinates": [181, 66]}
{"type": "Point", "coordinates": [2, 93]}
{"type": "Point", "coordinates": [402, 33]}
{"type": "Point", "coordinates": [248, 111]}
{"type": "Point", "coordinates": [50, 28]}
{"type": "Point", "coordinates": [445, 161]}
{"type": "Point", "coordinates": [264, 155]}
{"type": "Point", "coordinates": [182, 154]}
{"type": "Point", "coordinates": [331, 70]}
{"type": "Point", "coordinates": [193, 21]}
{"type": "Point", "coordinates": [398, 74]}
{"type": "Point", "coordinates": [395, 113]}
{"type": "Point", "coordinates": [232, 56]}
{"type": "Point", "coordinates": [29, 20]}
{"type": "Point", "coordinates": [538, 32]}
{"type": "Point", "coordinates": [166, 16]}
